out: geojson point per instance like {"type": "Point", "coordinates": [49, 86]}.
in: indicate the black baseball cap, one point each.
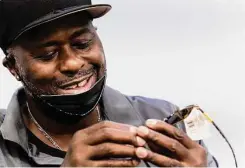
{"type": "Point", "coordinates": [20, 16]}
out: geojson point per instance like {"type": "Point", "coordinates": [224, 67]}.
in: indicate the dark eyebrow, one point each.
{"type": "Point", "coordinates": [79, 33]}
{"type": "Point", "coordinates": [49, 44]}
{"type": "Point", "coordinates": [74, 35]}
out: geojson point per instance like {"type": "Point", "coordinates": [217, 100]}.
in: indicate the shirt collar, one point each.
{"type": "Point", "coordinates": [13, 128]}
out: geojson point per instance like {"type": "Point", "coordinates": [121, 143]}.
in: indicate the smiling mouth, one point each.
{"type": "Point", "coordinates": [81, 82]}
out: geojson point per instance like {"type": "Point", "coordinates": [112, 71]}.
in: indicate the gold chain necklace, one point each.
{"type": "Point", "coordinates": [45, 133]}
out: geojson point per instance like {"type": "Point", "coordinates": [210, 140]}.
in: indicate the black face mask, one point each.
{"type": "Point", "coordinates": [69, 109]}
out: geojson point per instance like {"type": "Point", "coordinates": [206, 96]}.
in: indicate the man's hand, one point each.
{"type": "Point", "coordinates": [103, 145]}
{"type": "Point", "coordinates": [182, 151]}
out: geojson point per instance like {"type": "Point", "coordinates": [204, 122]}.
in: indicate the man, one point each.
{"type": "Point", "coordinates": [65, 115]}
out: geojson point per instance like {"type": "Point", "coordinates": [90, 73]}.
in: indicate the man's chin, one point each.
{"type": "Point", "coordinates": [82, 87]}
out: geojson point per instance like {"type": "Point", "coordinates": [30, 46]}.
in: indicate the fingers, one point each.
{"type": "Point", "coordinates": [113, 150]}
{"type": "Point", "coordinates": [187, 152]}
{"type": "Point", "coordinates": [117, 163]}
{"type": "Point", "coordinates": [161, 126]}
{"type": "Point", "coordinates": [115, 135]}
{"type": "Point", "coordinates": [157, 159]}
{"type": "Point", "coordinates": [109, 131]}
{"type": "Point", "coordinates": [108, 124]}
{"type": "Point", "coordinates": [106, 142]}
{"type": "Point", "coordinates": [163, 141]}
{"type": "Point", "coordinates": [103, 155]}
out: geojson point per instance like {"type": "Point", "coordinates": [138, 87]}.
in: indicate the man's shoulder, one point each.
{"type": "Point", "coordinates": [152, 107]}
{"type": "Point", "coordinates": [146, 106]}
{"type": "Point", "coordinates": [2, 115]}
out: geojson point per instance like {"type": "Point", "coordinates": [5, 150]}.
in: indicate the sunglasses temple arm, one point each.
{"type": "Point", "coordinates": [222, 134]}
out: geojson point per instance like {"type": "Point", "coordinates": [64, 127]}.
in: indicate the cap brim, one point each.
{"type": "Point", "coordinates": [95, 11]}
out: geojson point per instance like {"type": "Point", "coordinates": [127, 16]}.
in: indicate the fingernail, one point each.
{"type": "Point", "coordinates": [151, 122]}
{"type": "Point", "coordinates": [140, 141]}
{"type": "Point", "coordinates": [144, 130]}
{"type": "Point", "coordinates": [141, 152]}
{"type": "Point", "coordinates": [133, 129]}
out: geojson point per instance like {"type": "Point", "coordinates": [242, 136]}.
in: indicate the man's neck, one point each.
{"type": "Point", "coordinates": [60, 133]}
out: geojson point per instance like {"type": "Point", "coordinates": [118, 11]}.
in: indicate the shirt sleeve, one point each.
{"type": "Point", "coordinates": [211, 160]}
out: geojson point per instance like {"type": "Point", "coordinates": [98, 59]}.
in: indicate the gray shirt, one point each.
{"type": "Point", "coordinates": [17, 151]}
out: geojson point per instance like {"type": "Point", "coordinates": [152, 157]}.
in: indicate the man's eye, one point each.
{"type": "Point", "coordinates": [82, 45]}
{"type": "Point", "coordinates": [47, 57]}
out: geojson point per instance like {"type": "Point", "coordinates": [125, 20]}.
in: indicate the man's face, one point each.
{"type": "Point", "coordinates": [62, 57]}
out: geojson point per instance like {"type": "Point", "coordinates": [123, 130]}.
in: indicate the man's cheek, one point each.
{"type": "Point", "coordinates": [41, 73]}
{"type": "Point", "coordinates": [39, 86]}
{"type": "Point", "coordinates": [96, 55]}
{"type": "Point", "coordinates": [43, 82]}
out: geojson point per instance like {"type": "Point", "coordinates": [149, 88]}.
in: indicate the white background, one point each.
{"type": "Point", "coordinates": [184, 51]}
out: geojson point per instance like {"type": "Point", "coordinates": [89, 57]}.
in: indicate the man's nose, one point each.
{"type": "Point", "coordinates": [70, 62]}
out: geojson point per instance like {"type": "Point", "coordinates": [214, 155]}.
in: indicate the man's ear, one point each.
{"type": "Point", "coordinates": [10, 63]}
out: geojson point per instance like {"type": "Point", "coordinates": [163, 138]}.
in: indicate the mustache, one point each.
{"type": "Point", "coordinates": [78, 75]}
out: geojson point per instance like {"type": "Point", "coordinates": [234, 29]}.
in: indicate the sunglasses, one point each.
{"type": "Point", "coordinates": [180, 115]}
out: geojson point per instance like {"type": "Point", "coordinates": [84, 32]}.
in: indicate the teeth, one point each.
{"type": "Point", "coordinates": [81, 84]}
{"type": "Point", "coordinates": [72, 87]}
